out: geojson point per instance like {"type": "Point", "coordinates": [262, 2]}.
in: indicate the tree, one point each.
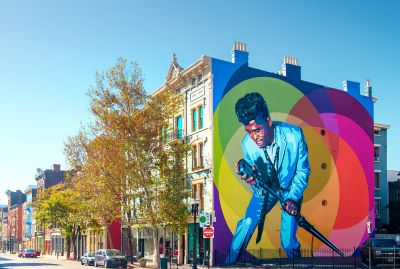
{"type": "Point", "coordinates": [126, 158]}
{"type": "Point", "coordinates": [101, 171]}
{"type": "Point", "coordinates": [62, 208]}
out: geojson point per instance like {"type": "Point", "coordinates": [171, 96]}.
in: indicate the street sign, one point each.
{"type": "Point", "coordinates": [208, 232]}
{"type": "Point", "coordinates": [369, 229]}
{"type": "Point", "coordinates": [204, 219]}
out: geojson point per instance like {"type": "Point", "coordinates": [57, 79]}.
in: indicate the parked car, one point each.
{"type": "Point", "coordinates": [383, 251]}
{"type": "Point", "coordinates": [29, 253]}
{"type": "Point", "coordinates": [19, 253]}
{"type": "Point", "coordinates": [38, 253]}
{"type": "Point", "coordinates": [87, 258]}
{"type": "Point", "coordinates": [110, 258]}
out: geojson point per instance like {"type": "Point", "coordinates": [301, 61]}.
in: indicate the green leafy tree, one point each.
{"type": "Point", "coordinates": [63, 208]}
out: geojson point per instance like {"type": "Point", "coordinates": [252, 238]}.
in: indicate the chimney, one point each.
{"type": "Point", "coordinates": [368, 88]}
{"type": "Point", "coordinates": [352, 87]}
{"type": "Point", "coordinates": [291, 68]}
{"type": "Point", "coordinates": [56, 167]}
{"type": "Point", "coordinates": [239, 53]}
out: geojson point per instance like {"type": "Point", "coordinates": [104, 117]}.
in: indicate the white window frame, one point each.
{"type": "Point", "coordinates": [378, 213]}
{"type": "Point", "coordinates": [379, 173]}
{"type": "Point", "coordinates": [377, 158]}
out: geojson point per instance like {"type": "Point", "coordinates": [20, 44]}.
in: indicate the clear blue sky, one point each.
{"type": "Point", "coordinates": [50, 50]}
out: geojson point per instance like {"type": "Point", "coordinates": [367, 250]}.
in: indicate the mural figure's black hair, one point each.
{"type": "Point", "coordinates": [250, 107]}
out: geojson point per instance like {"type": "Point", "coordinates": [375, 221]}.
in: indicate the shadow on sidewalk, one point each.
{"type": "Point", "coordinates": [151, 265]}
{"type": "Point", "coordinates": [13, 264]}
{"type": "Point", "coordinates": [4, 259]}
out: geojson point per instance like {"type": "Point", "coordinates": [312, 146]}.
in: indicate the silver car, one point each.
{"type": "Point", "coordinates": [87, 258]}
{"type": "Point", "coordinates": [110, 258]}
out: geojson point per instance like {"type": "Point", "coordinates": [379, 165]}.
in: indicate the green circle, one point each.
{"type": "Point", "coordinates": [203, 219]}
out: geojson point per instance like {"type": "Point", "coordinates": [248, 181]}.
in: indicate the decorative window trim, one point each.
{"type": "Point", "coordinates": [197, 155]}
{"type": "Point", "coordinates": [200, 124]}
{"type": "Point", "coordinates": [197, 190]}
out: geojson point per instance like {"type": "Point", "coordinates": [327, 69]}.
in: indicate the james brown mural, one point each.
{"type": "Point", "coordinates": [304, 148]}
{"type": "Point", "coordinates": [277, 152]}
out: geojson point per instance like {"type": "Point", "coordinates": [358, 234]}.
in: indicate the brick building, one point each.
{"type": "Point", "coordinates": [48, 241]}
{"type": "Point", "coordinates": [15, 220]}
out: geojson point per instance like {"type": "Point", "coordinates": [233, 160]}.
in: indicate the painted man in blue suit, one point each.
{"type": "Point", "coordinates": [278, 152]}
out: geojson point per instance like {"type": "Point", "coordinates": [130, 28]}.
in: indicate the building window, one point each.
{"type": "Point", "coordinates": [198, 193]}
{"type": "Point", "coordinates": [377, 151]}
{"type": "Point", "coordinates": [201, 154]}
{"type": "Point", "coordinates": [378, 208]}
{"type": "Point", "coordinates": [201, 117]}
{"type": "Point", "coordinates": [199, 78]}
{"type": "Point", "coordinates": [193, 81]}
{"type": "Point", "coordinates": [377, 180]}
{"type": "Point", "coordinates": [194, 157]}
{"type": "Point", "coordinates": [179, 129]}
{"type": "Point", "coordinates": [197, 118]}
{"type": "Point", "coordinates": [377, 132]}
{"type": "Point", "coordinates": [201, 196]}
{"type": "Point", "coordinates": [198, 156]}
{"type": "Point", "coordinates": [194, 191]}
{"type": "Point", "coordinates": [194, 120]}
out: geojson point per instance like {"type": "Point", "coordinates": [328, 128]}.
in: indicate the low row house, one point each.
{"type": "Point", "coordinates": [28, 217]}
{"type": "Point", "coordinates": [3, 227]}
{"type": "Point", "coordinates": [15, 236]}
{"type": "Point", "coordinates": [50, 241]}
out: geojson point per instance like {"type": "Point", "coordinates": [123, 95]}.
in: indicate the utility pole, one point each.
{"type": "Point", "coordinates": [195, 208]}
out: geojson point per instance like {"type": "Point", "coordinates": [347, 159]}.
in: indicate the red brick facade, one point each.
{"type": "Point", "coordinates": [15, 223]}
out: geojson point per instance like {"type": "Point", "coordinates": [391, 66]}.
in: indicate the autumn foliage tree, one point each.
{"type": "Point", "coordinates": [100, 175]}
{"type": "Point", "coordinates": [123, 158]}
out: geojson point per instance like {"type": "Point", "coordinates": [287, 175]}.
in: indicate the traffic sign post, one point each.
{"type": "Point", "coordinates": [204, 219]}
{"type": "Point", "coordinates": [369, 249]}
{"type": "Point", "coordinates": [208, 232]}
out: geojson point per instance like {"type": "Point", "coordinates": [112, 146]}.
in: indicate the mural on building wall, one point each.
{"type": "Point", "coordinates": [311, 144]}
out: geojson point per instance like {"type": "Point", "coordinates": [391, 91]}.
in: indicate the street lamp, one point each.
{"type": "Point", "coordinates": [195, 210]}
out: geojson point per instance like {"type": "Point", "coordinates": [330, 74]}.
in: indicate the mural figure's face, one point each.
{"type": "Point", "coordinates": [262, 134]}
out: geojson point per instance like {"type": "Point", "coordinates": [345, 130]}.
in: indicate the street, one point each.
{"type": "Point", "coordinates": [11, 261]}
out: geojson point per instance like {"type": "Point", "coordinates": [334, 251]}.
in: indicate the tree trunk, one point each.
{"type": "Point", "coordinates": [130, 237]}
{"type": "Point", "coordinates": [156, 254]}
{"type": "Point", "coordinates": [74, 244]}
{"type": "Point", "coordinates": [164, 243]}
{"type": "Point", "coordinates": [68, 247]}
{"type": "Point", "coordinates": [109, 238]}
{"type": "Point", "coordinates": [77, 241]}
{"type": "Point", "coordinates": [131, 244]}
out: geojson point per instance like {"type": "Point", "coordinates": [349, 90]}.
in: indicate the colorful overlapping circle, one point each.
{"type": "Point", "coordinates": [338, 130]}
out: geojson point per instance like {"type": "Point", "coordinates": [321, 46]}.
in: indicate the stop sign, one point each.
{"type": "Point", "coordinates": [208, 232]}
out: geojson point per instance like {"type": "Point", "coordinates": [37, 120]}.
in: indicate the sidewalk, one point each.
{"type": "Point", "coordinates": [54, 257]}
{"type": "Point", "coordinates": [44, 257]}
{"type": "Point", "coordinates": [152, 265]}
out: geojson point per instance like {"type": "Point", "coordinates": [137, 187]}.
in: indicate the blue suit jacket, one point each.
{"type": "Point", "coordinates": [293, 169]}
{"type": "Point", "coordinates": [293, 165]}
